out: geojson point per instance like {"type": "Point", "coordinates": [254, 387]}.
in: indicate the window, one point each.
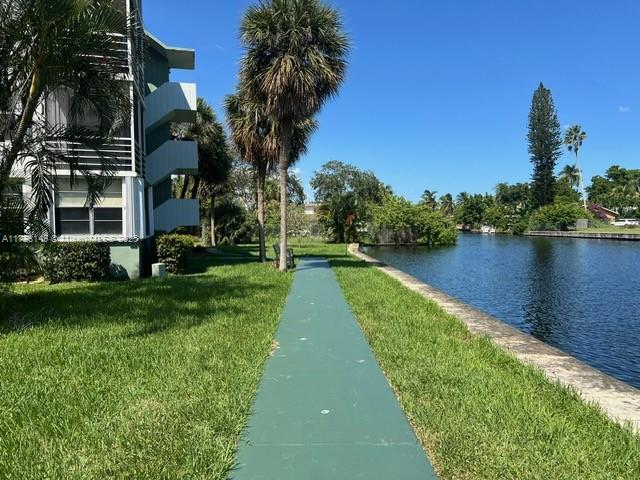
{"type": "Point", "coordinates": [12, 209]}
{"type": "Point", "coordinates": [107, 221]}
{"type": "Point", "coordinates": [73, 221]}
{"type": "Point", "coordinates": [73, 217]}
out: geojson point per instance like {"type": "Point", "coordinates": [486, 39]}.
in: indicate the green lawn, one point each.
{"type": "Point", "coordinates": [155, 378]}
{"type": "Point", "coordinates": [480, 413]}
{"type": "Point", "coordinates": [611, 229]}
{"type": "Point", "coordinates": [144, 379]}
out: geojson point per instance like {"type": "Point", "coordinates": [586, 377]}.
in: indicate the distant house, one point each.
{"type": "Point", "coordinates": [603, 213]}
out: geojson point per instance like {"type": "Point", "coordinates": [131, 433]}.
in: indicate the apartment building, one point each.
{"type": "Point", "coordinates": [138, 204]}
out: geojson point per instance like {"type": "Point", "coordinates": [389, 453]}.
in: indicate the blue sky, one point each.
{"type": "Point", "coordinates": [438, 91]}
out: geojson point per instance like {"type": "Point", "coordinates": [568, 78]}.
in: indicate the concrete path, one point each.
{"type": "Point", "coordinates": [324, 410]}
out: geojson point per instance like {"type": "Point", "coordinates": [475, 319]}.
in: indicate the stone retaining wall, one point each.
{"type": "Point", "coordinates": [633, 237]}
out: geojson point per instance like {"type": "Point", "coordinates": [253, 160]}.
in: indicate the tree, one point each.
{"type": "Point", "coordinates": [345, 194]}
{"type": "Point", "coordinates": [470, 209]}
{"type": "Point", "coordinates": [51, 49]}
{"type": "Point", "coordinates": [256, 138]}
{"type": "Point", "coordinates": [616, 190]}
{"type": "Point", "coordinates": [574, 137]}
{"type": "Point", "coordinates": [545, 145]}
{"type": "Point", "coordinates": [295, 61]}
{"type": "Point", "coordinates": [404, 222]}
{"type": "Point", "coordinates": [446, 205]}
{"type": "Point", "coordinates": [571, 174]}
{"type": "Point", "coordinates": [214, 160]}
{"type": "Point", "coordinates": [516, 197]}
{"type": "Point", "coordinates": [428, 199]}
{"type": "Point", "coordinates": [557, 216]}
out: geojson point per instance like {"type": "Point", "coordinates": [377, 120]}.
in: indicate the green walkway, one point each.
{"type": "Point", "coordinates": [324, 409]}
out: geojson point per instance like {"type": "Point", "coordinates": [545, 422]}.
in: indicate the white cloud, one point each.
{"type": "Point", "coordinates": [623, 109]}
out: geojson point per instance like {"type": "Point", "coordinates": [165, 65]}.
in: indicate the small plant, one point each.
{"type": "Point", "coordinates": [75, 261]}
{"type": "Point", "coordinates": [173, 250]}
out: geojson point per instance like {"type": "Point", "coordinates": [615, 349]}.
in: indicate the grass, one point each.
{"type": "Point", "coordinates": [301, 247]}
{"type": "Point", "coordinates": [145, 379]}
{"type": "Point", "coordinates": [479, 412]}
{"type": "Point", "coordinates": [611, 229]}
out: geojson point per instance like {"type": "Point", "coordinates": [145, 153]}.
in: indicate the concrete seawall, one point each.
{"type": "Point", "coordinates": [630, 237]}
{"type": "Point", "coordinates": [619, 401]}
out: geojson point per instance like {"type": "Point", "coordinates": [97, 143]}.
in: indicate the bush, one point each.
{"type": "Point", "coordinates": [400, 221]}
{"type": "Point", "coordinates": [173, 250]}
{"type": "Point", "coordinates": [519, 228]}
{"type": "Point", "coordinates": [75, 261]}
{"type": "Point", "coordinates": [558, 216]}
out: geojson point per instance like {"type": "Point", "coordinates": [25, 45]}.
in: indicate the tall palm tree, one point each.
{"type": "Point", "coordinates": [295, 61]}
{"type": "Point", "coordinates": [59, 45]}
{"type": "Point", "coordinates": [571, 174]}
{"type": "Point", "coordinates": [574, 137]}
{"type": "Point", "coordinates": [256, 138]}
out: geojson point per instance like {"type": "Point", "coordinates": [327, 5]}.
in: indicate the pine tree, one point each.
{"type": "Point", "coordinates": [545, 146]}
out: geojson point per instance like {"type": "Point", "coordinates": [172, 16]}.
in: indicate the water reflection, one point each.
{"type": "Point", "coordinates": [578, 295]}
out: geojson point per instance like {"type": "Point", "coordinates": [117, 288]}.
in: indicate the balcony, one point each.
{"type": "Point", "coordinates": [171, 102]}
{"type": "Point", "coordinates": [176, 213]}
{"type": "Point", "coordinates": [174, 157]}
{"type": "Point", "coordinates": [116, 156]}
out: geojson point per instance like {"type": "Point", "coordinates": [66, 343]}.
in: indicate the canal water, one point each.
{"type": "Point", "coordinates": [579, 295]}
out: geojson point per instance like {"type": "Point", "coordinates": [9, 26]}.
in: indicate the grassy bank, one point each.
{"type": "Point", "coordinates": [145, 379]}
{"type": "Point", "coordinates": [622, 230]}
{"type": "Point", "coordinates": [480, 413]}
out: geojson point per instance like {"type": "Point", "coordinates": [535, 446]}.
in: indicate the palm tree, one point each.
{"type": "Point", "coordinates": [255, 137]}
{"type": "Point", "coordinates": [214, 160]}
{"type": "Point", "coordinates": [446, 204]}
{"type": "Point", "coordinates": [62, 45]}
{"type": "Point", "coordinates": [429, 199]}
{"type": "Point", "coordinates": [295, 61]}
{"type": "Point", "coordinates": [574, 137]}
{"type": "Point", "coordinates": [571, 174]}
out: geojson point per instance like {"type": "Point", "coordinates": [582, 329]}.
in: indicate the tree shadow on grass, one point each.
{"type": "Point", "coordinates": [146, 306]}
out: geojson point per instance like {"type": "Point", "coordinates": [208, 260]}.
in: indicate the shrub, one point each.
{"type": "Point", "coordinates": [558, 216]}
{"type": "Point", "coordinates": [173, 250]}
{"type": "Point", "coordinates": [400, 221]}
{"type": "Point", "coordinates": [519, 228]}
{"type": "Point", "coordinates": [75, 261]}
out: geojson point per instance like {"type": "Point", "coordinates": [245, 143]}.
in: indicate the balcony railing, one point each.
{"type": "Point", "coordinates": [172, 157]}
{"type": "Point", "coordinates": [118, 155]}
{"type": "Point", "coordinates": [171, 102]}
{"type": "Point", "coordinates": [176, 213]}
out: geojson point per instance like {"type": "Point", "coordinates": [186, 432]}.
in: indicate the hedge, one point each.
{"type": "Point", "coordinates": [75, 261]}
{"type": "Point", "coordinates": [173, 250]}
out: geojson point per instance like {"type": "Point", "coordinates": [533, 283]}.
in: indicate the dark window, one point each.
{"type": "Point", "coordinates": [72, 221]}
{"type": "Point", "coordinates": [107, 221]}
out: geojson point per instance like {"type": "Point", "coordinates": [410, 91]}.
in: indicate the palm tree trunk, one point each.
{"type": "Point", "coordinates": [261, 233]}
{"type": "Point", "coordinates": [581, 181]}
{"type": "Point", "coordinates": [285, 149]}
{"type": "Point", "coordinates": [26, 120]}
{"type": "Point", "coordinates": [195, 187]}
{"type": "Point", "coordinates": [212, 218]}
{"type": "Point", "coordinates": [185, 186]}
